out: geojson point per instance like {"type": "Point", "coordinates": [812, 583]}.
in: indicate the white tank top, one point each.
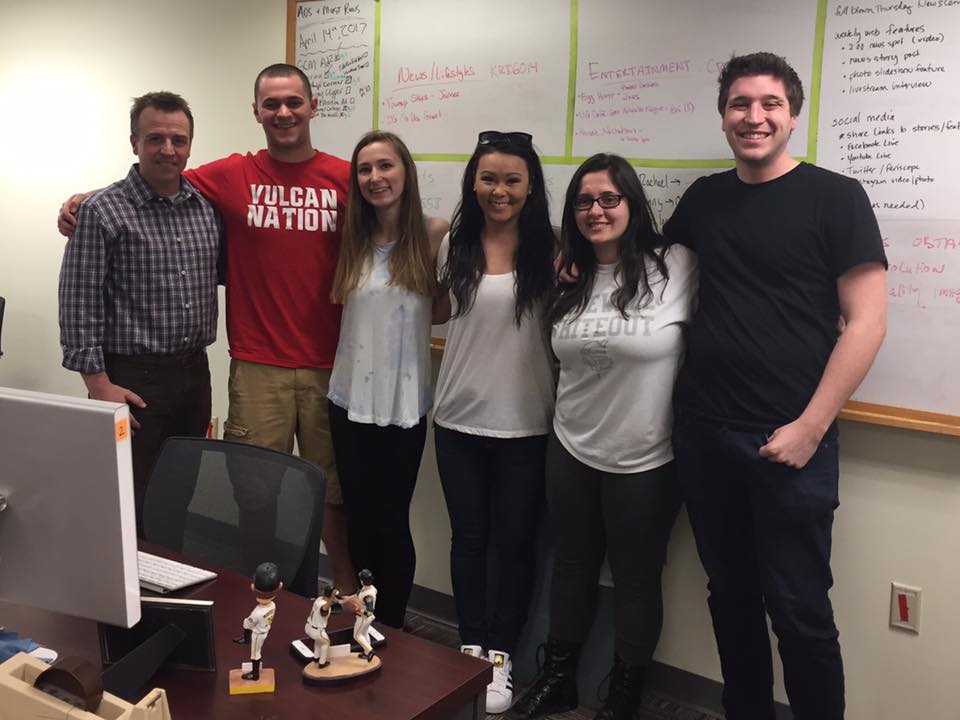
{"type": "Point", "coordinates": [382, 371]}
{"type": "Point", "coordinates": [496, 379]}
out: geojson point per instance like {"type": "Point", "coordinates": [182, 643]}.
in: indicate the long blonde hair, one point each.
{"type": "Point", "coordinates": [410, 263]}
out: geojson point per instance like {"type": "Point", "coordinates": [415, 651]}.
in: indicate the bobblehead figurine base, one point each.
{"type": "Point", "coordinates": [340, 668]}
{"type": "Point", "coordinates": [266, 683]}
{"type": "Point", "coordinates": [338, 663]}
{"type": "Point", "coordinates": [251, 677]}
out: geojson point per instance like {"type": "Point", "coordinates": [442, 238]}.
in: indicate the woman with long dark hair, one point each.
{"type": "Point", "coordinates": [381, 387]}
{"type": "Point", "coordinates": [495, 393]}
{"type": "Point", "coordinates": [617, 332]}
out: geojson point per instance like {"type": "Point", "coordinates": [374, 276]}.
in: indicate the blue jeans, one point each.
{"type": "Point", "coordinates": [493, 488]}
{"type": "Point", "coordinates": [763, 531]}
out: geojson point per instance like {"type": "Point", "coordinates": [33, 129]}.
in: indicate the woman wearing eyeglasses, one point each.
{"type": "Point", "coordinates": [495, 393]}
{"type": "Point", "coordinates": [381, 386]}
{"type": "Point", "coordinates": [617, 332]}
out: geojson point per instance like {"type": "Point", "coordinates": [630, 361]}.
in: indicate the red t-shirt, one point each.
{"type": "Point", "coordinates": [283, 223]}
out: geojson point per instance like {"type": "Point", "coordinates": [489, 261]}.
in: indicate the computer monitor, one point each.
{"type": "Point", "coordinates": [68, 533]}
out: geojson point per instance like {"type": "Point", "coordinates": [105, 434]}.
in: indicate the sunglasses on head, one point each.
{"type": "Point", "coordinates": [494, 137]}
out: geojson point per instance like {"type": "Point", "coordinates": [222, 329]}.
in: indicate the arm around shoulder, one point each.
{"type": "Point", "coordinates": [437, 231]}
{"type": "Point", "coordinates": [684, 279]}
{"type": "Point", "coordinates": [67, 217]}
{"type": "Point", "coordinates": [437, 227]}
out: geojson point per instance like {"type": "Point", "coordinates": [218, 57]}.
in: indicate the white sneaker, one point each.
{"type": "Point", "coordinates": [500, 691]}
{"type": "Point", "coordinates": [472, 650]}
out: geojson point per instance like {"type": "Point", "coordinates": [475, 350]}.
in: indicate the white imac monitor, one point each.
{"type": "Point", "coordinates": [68, 532]}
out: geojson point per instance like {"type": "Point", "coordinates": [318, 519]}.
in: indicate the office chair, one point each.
{"type": "Point", "coordinates": [236, 505]}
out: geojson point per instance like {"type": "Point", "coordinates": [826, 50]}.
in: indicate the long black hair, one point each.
{"type": "Point", "coordinates": [641, 241]}
{"type": "Point", "coordinates": [535, 251]}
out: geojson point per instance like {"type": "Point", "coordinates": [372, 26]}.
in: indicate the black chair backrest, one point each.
{"type": "Point", "coordinates": [236, 505]}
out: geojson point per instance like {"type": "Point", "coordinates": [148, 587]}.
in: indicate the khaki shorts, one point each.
{"type": "Point", "coordinates": [270, 406]}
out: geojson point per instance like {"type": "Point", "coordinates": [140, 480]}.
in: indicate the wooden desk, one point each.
{"type": "Point", "coordinates": [419, 679]}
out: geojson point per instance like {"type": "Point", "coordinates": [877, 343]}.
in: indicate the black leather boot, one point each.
{"type": "Point", "coordinates": [554, 690]}
{"type": "Point", "coordinates": [254, 674]}
{"type": "Point", "coordinates": [626, 692]}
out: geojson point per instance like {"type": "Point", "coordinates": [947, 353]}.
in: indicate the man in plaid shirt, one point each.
{"type": "Point", "coordinates": [138, 288]}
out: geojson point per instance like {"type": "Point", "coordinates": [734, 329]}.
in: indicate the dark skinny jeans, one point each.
{"type": "Point", "coordinates": [763, 531]}
{"type": "Point", "coordinates": [628, 516]}
{"type": "Point", "coordinates": [494, 493]}
{"type": "Point", "coordinates": [378, 469]}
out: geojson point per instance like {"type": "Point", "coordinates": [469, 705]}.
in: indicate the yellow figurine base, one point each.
{"type": "Point", "coordinates": [239, 686]}
{"type": "Point", "coordinates": [340, 669]}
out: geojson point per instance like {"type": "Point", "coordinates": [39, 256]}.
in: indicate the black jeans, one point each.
{"type": "Point", "coordinates": [763, 531]}
{"type": "Point", "coordinates": [378, 469]}
{"type": "Point", "coordinates": [629, 516]}
{"type": "Point", "coordinates": [176, 389]}
{"type": "Point", "coordinates": [494, 490]}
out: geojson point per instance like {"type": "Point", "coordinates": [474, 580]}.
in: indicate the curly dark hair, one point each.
{"type": "Point", "coordinates": [761, 63]}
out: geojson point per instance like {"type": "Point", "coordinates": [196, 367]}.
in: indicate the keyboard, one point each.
{"type": "Point", "coordinates": [162, 575]}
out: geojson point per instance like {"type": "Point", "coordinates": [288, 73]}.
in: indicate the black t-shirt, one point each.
{"type": "Point", "coordinates": [769, 257]}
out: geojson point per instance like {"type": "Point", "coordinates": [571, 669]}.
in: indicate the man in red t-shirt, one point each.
{"type": "Point", "coordinates": [282, 210]}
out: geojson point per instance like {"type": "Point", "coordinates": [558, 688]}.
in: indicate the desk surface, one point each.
{"type": "Point", "coordinates": [419, 679]}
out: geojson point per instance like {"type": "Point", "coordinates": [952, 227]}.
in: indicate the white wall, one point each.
{"type": "Point", "coordinates": [67, 73]}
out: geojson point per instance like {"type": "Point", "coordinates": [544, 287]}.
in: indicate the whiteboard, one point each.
{"type": "Point", "coordinates": [333, 43]}
{"type": "Point", "coordinates": [638, 78]}
{"type": "Point", "coordinates": [449, 70]}
{"type": "Point", "coordinates": [891, 119]}
{"type": "Point", "coordinates": [647, 84]}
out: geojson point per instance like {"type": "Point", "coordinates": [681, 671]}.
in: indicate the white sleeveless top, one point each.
{"type": "Point", "coordinates": [496, 378]}
{"type": "Point", "coordinates": [382, 370]}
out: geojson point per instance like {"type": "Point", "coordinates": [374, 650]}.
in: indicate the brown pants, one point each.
{"type": "Point", "coordinates": [176, 389]}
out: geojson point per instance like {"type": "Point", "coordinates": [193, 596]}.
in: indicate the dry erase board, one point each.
{"type": "Point", "coordinates": [638, 77]}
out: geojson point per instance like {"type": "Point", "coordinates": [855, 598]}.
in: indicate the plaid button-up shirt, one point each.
{"type": "Point", "coordinates": [139, 274]}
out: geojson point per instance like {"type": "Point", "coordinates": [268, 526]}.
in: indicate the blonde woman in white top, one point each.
{"type": "Point", "coordinates": [495, 393]}
{"type": "Point", "coordinates": [380, 388]}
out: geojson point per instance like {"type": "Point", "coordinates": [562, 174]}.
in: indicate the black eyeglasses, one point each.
{"type": "Point", "coordinates": [494, 137]}
{"type": "Point", "coordinates": [605, 200]}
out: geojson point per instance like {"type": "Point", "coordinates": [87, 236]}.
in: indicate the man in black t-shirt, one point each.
{"type": "Point", "coordinates": [784, 249]}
